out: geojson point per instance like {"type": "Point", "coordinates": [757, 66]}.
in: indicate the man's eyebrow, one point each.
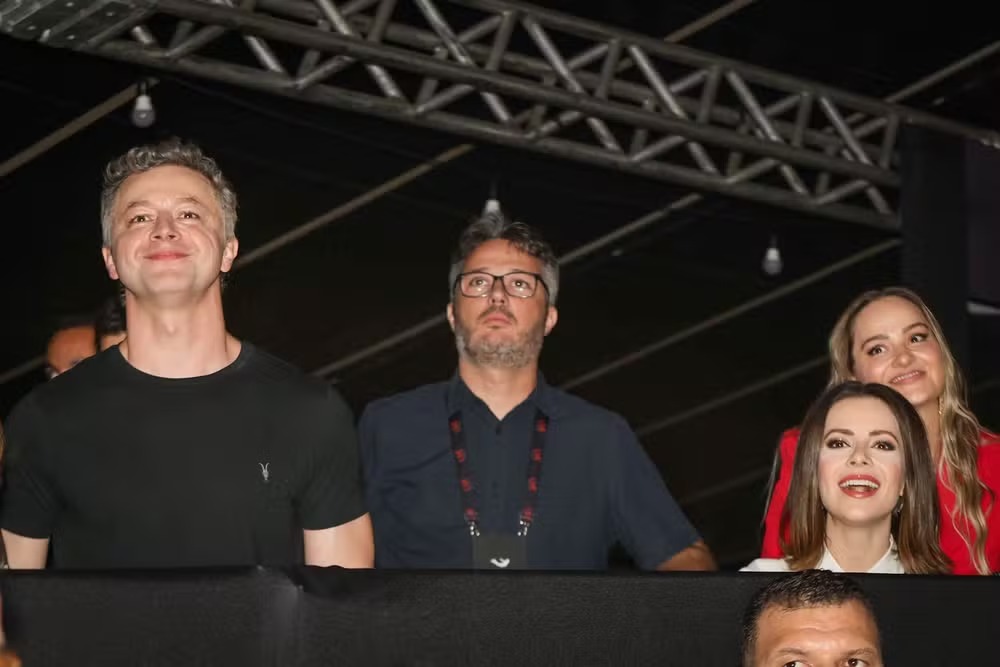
{"type": "Point", "coordinates": [146, 202]}
{"type": "Point", "coordinates": [866, 652]}
{"type": "Point", "coordinates": [137, 202]}
{"type": "Point", "coordinates": [485, 269]}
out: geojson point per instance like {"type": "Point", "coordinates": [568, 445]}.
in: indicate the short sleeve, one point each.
{"type": "Point", "coordinates": [785, 463]}
{"type": "Point", "coordinates": [28, 505]}
{"type": "Point", "coordinates": [647, 520]}
{"type": "Point", "coordinates": [330, 494]}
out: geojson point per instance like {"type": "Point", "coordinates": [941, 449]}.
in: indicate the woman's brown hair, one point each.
{"type": "Point", "coordinates": [960, 430]}
{"type": "Point", "coordinates": [915, 527]}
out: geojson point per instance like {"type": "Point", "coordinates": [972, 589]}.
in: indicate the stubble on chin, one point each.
{"type": "Point", "coordinates": [518, 352]}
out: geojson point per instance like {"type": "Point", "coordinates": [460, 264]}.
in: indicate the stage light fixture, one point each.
{"type": "Point", "coordinates": [772, 264]}
{"type": "Point", "coordinates": [143, 113]}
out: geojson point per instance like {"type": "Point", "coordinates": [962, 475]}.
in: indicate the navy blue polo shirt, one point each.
{"type": "Point", "coordinates": [597, 486]}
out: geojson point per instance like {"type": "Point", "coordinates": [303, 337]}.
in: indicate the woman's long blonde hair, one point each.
{"type": "Point", "coordinates": [960, 430]}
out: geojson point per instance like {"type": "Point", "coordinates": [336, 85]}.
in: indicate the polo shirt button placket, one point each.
{"type": "Point", "coordinates": [495, 495]}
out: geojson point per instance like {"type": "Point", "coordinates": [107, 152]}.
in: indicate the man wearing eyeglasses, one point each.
{"type": "Point", "coordinates": [495, 469]}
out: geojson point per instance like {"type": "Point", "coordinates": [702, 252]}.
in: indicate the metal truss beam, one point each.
{"type": "Point", "coordinates": [501, 72]}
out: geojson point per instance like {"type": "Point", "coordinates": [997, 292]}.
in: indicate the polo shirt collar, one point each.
{"type": "Point", "coordinates": [460, 397]}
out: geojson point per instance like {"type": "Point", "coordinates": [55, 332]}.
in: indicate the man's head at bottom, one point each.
{"type": "Point", "coordinates": [815, 618]}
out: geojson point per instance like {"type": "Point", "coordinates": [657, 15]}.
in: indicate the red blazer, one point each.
{"type": "Point", "coordinates": [951, 542]}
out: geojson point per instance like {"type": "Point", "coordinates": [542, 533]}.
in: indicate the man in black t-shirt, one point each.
{"type": "Point", "coordinates": [182, 446]}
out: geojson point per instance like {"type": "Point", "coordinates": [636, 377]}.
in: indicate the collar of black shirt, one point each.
{"type": "Point", "coordinates": [460, 397]}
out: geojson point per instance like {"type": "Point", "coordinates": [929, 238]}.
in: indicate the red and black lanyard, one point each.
{"type": "Point", "coordinates": [470, 508]}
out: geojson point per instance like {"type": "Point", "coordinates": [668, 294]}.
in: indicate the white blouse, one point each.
{"type": "Point", "coordinates": [888, 564]}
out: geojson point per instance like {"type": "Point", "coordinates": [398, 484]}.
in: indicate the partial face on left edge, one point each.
{"type": "Point", "coordinates": [861, 462]}
{"type": "Point", "coordinates": [167, 234]}
{"type": "Point", "coordinates": [68, 347]}
{"type": "Point", "coordinates": [497, 329]}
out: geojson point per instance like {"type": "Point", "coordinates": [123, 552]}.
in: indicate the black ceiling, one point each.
{"type": "Point", "coordinates": [382, 268]}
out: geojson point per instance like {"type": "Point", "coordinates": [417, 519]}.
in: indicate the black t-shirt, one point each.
{"type": "Point", "coordinates": [127, 470]}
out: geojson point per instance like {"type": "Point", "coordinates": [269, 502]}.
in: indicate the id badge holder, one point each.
{"type": "Point", "coordinates": [491, 551]}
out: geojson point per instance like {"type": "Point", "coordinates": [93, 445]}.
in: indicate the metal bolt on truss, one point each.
{"type": "Point", "coordinates": [526, 77]}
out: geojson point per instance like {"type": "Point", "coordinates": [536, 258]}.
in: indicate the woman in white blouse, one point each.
{"type": "Point", "coordinates": [863, 495]}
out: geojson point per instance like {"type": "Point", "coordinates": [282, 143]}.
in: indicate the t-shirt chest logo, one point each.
{"type": "Point", "coordinates": [265, 471]}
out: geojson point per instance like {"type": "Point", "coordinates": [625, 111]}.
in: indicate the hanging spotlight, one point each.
{"type": "Point", "coordinates": [492, 206]}
{"type": "Point", "coordinates": [143, 113]}
{"type": "Point", "coordinates": [772, 264]}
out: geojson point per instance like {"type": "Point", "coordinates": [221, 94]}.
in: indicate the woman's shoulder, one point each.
{"type": "Point", "coordinates": [789, 441]}
{"type": "Point", "coordinates": [989, 457]}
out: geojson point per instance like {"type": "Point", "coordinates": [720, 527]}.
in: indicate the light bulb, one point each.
{"type": "Point", "coordinates": [143, 113]}
{"type": "Point", "coordinates": [772, 264]}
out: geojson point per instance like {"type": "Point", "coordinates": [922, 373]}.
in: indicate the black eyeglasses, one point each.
{"type": "Point", "coordinates": [519, 284]}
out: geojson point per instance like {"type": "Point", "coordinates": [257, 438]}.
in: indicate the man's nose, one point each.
{"type": "Point", "coordinates": [164, 227]}
{"type": "Point", "coordinates": [498, 294]}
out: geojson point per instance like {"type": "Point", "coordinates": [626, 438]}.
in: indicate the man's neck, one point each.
{"type": "Point", "coordinates": [182, 341]}
{"type": "Point", "coordinates": [501, 389]}
{"type": "Point", "coordinates": [857, 548]}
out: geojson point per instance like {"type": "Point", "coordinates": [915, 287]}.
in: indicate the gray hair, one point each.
{"type": "Point", "coordinates": [172, 152]}
{"type": "Point", "coordinates": [493, 226]}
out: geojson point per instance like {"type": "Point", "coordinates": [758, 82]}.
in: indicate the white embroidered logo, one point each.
{"type": "Point", "coordinates": [500, 562]}
{"type": "Point", "coordinates": [264, 472]}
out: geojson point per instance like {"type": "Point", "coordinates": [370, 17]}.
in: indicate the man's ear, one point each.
{"type": "Point", "coordinates": [449, 312]}
{"type": "Point", "coordinates": [109, 263]}
{"type": "Point", "coordinates": [229, 252]}
{"type": "Point", "coordinates": [551, 317]}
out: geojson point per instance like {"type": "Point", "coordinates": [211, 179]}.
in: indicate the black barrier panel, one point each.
{"type": "Point", "coordinates": [318, 617]}
{"type": "Point", "coordinates": [150, 619]}
{"type": "Point", "coordinates": [937, 621]}
{"type": "Point", "coordinates": [495, 618]}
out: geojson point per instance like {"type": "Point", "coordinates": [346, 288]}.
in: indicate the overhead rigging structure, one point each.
{"type": "Point", "coordinates": [501, 72]}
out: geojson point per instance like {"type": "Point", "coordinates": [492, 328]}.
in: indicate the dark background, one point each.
{"type": "Point", "coordinates": [383, 267]}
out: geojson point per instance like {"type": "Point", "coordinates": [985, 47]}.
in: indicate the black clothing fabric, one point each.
{"type": "Point", "coordinates": [597, 485]}
{"type": "Point", "coordinates": [127, 470]}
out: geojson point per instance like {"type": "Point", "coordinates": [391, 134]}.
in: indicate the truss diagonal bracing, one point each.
{"type": "Point", "coordinates": [521, 76]}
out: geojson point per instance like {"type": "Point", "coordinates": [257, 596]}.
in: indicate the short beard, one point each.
{"type": "Point", "coordinates": [517, 353]}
